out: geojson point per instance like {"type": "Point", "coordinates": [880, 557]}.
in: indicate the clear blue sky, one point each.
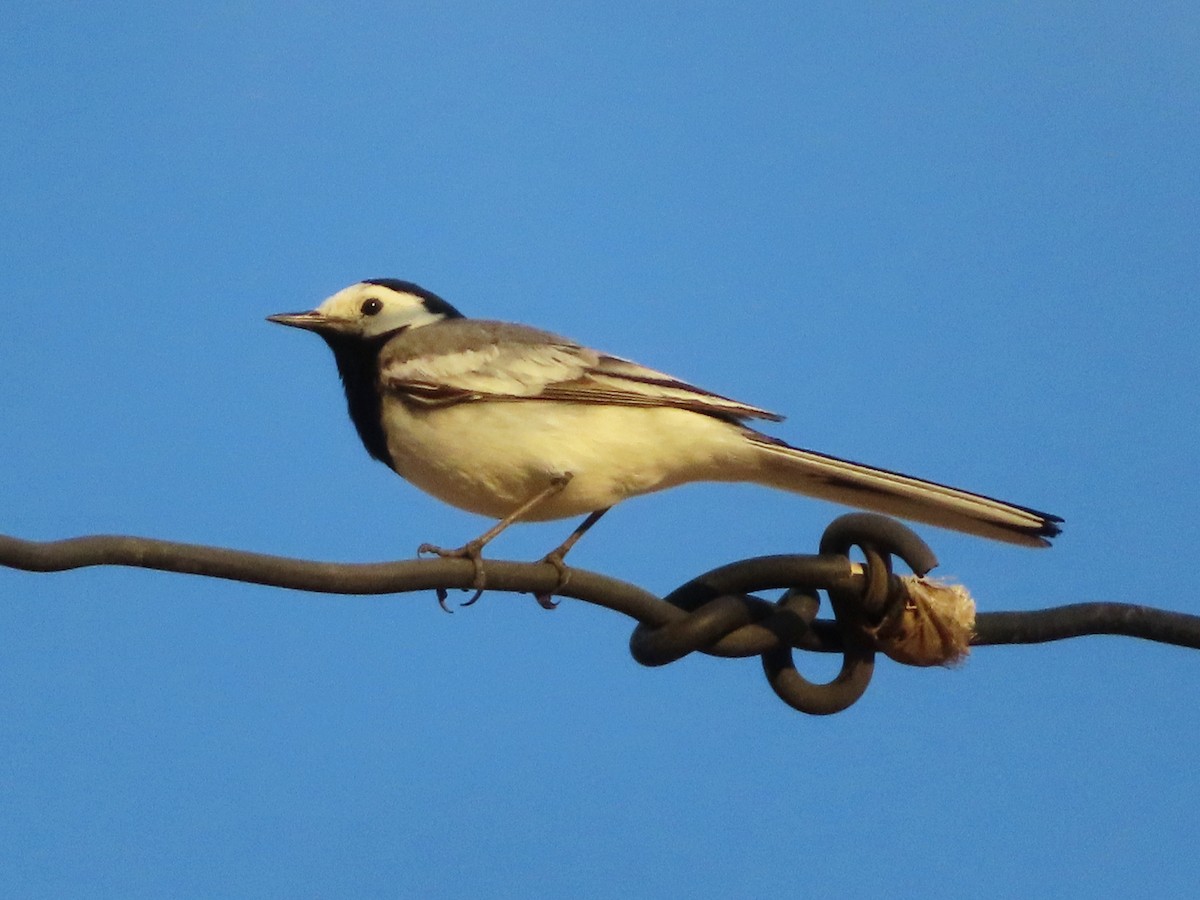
{"type": "Point", "coordinates": [954, 239]}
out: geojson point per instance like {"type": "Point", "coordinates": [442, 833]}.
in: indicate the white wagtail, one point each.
{"type": "Point", "coordinates": [520, 424]}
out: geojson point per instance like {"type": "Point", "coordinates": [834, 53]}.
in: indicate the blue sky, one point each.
{"type": "Point", "coordinates": [955, 240]}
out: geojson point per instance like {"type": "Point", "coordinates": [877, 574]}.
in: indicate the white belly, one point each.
{"type": "Point", "coordinates": [489, 457]}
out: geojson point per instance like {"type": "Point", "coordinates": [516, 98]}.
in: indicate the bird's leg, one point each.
{"type": "Point", "coordinates": [473, 550]}
{"type": "Point", "coordinates": [555, 557]}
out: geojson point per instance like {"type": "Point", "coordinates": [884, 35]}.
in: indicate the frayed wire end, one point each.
{"type": "Point", "coordinates": [931, 624]}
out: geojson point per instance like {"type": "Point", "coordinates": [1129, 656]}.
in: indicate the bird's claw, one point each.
{"type": "Point", "coordinates": [471, 550]}
{"type": "Point", "coordinates": [442, 595]}
{"type": "Point", "coordinates": [546, 600]}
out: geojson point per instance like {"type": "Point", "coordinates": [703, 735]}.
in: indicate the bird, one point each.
{"type": "Point", "coordinates": [519, 424]}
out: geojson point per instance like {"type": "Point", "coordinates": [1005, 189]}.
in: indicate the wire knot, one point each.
{"type": "Point", "coordinates": [872, 608]}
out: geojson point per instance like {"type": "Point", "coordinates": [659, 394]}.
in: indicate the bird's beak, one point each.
{"type": "Point", "coordinates": [309, 321]}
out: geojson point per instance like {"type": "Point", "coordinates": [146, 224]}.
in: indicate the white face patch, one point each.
{"type": "Point", "coordinates": [371, 309]}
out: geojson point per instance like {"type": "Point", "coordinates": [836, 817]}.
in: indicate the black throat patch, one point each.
{"type": "Point", "coordinates": [358, 364]}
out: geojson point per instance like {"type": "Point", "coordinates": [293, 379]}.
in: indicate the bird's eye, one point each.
{"type": "Point", "coordinates": [371, 306]}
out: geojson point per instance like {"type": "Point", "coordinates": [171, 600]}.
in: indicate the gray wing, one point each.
{"type": "Point", "coordinates": [460, 361]}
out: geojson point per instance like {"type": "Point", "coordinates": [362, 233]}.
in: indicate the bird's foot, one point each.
{"type": "Point", "coordinates": [472, 550]}
{"type": "Point", "coordinates": [555, 558]}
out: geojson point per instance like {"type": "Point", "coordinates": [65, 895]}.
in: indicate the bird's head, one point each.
{"type": "Point", "coordinates": [370, 310]}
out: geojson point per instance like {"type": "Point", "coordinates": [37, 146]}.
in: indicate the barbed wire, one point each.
{"type": "Point", "coordinates": [717, 613]}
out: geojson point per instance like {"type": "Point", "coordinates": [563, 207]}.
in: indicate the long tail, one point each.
{"type": "Point", "coordinates": [853, 484]}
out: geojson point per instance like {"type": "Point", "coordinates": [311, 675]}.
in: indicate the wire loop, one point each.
{"type": "Point", "coordinates": [858, 665]}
